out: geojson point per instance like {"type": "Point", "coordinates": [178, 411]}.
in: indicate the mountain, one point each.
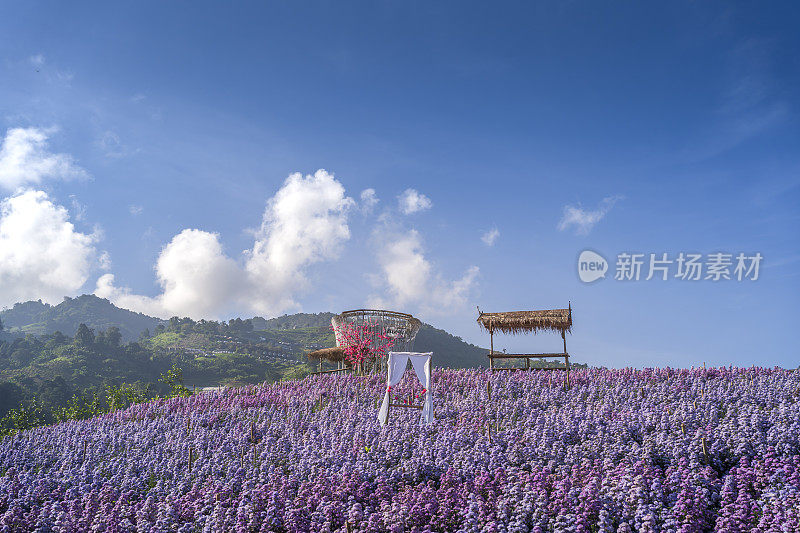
{"type": "Point", "coordinates": [449, 350]}
{"type": "Point", "coordinates": [296, 333]}
{"type": "Point", "coordinates": [99, 314]}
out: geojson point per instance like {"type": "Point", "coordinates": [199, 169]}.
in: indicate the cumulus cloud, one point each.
{"type": "Point", "coordinates": [304, 223]}
{"type": "Point", "coordinates": [37, 60]}
{"type": "Point", "coordinates": [368, 201]}
{"type": "Point", "coordinates": [409, 279]}
{"type": "Point", "coordinates": [41, 253]}
{"type": "Point", "coordinates": [25, 159]}
{"type": "Point", "coordinates": [412, 201]}
{"type": "Point", "coordinates": [490, 236]}
{"type": "Point", "coordinates": [584, 220]}
{"type": "Point", "coordinates": [196, 278]}
{"type": "Point", "coordinates": [135, 209]}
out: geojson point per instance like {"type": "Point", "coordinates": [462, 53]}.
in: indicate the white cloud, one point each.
{"type": "Point", "coordinates": [490, 236]}
{"type": "Point", "coordinates": [37, 60]}
{"type": "Point", "coordinates": [25, 160]}
{"type": "Point", "coordinates": [304, 223]}
{"type": "Point", "coordinates": [584, 220]}
{"type": "Point", "coordinates": [41, 254]}
{"type": "Point", "coordinates": [412, 201]}
{"type": "Point", "coordinates": [78, 208]}
{"type": "Point", "coordinates": [105, 260]}
{"type": "Point", "coordinates": [196, 278]}
{"type": "Point", "coordinates": [135, 209]}
{"type": "Point", "coordinates": [409, 278]}
{"type": "Point", "coordinates": [368, 201]}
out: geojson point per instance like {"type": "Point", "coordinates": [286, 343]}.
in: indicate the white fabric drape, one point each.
{"type": "Point", "coordinates": [421, 362]}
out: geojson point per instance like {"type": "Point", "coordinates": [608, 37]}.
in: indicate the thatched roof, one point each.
{"type": "Point", "coordinates": [527, 321]}
{"type": "Point", "coordinates": [334, 355]}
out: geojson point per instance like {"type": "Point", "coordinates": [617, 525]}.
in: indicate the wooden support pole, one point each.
{"type": "Point", "coordinates": [489, 390]}
{"type": "Point", "coordinates": [491, 347]}
{"type": "Point", "coordinates": [566, 356]}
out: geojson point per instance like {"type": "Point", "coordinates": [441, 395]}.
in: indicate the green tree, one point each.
{"type": "Point", "coordinates": [11, 396]}
{"type": "Point", "coordinates": [22, 418]}
{"type": "Point", "coordinates": [124, 396]}
{"type": "Point", "coordinates": [173, 378]}
{"type": "Point", "coordinates": [84, 337]}
{"type": "Point", "coordinates": [113, 337]}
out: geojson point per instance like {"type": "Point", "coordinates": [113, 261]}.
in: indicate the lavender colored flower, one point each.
{"type": "Point", "coordinates": [661, 450]}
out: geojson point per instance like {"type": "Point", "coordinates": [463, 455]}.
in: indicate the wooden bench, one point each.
{"type": "Point", "coordinates": [527, 356]}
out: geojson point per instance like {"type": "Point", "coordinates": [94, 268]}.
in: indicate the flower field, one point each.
{"type": "Point", "coordinates": [621, 450]}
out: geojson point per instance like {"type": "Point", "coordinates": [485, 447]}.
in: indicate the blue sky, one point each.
{"type": "Point", "coordinates": [154, 142]}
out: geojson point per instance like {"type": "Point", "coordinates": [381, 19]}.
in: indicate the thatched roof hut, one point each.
{"type": "Point", "coordinates": [527, 321]}
{"type": "Point", "coordinates": [334, 355]}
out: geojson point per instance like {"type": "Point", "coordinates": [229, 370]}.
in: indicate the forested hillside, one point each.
{"type": "Point", "coordinates": [99, 314]}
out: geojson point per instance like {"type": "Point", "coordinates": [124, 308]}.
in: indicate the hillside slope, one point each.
{"type": "Point", "coordinates": [296, 333]}
{"type": "Point", "coordinates": [616, 448]}
{"type": "Point", "coordinates": [99, 314]}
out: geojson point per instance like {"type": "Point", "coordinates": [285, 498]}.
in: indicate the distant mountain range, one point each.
{"type": "Point", "coordinates": [37, 318]}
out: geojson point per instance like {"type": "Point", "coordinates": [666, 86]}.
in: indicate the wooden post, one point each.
{"type": "Point", "coordinates": [489, 390]}
{"type": "Point", "coordinates": [566, 355]}
{"type": "Point", "coordinates": [491, 348]}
